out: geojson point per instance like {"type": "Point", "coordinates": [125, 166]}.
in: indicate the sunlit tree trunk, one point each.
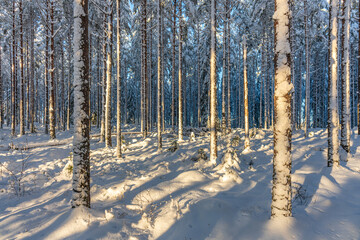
{"type": "Point", "coordinates": [281, 190]}
{"type": "Point", "coordinates": [246, 97]}
{"type": "Point", "coordinates": [159, 75]}
{"type": "Point", "coordinates": [333, 125]}
{"type": "Point", "coordinates": [118, 82]}
{"type": "Point", "coordinates": [173, 69]}
{"type": "Point", "coordinates": [52, 73]}
{"type": "Point", "coordinates": [345, 78]}
{"type": "Point", "coordinates": [213, 91]}
{"type": "Point", "coordinates": [180, 100]}
{"type": "Point", "coordinates": [13, 73]}
{"type": "Point", "coordinates": [108, 142]}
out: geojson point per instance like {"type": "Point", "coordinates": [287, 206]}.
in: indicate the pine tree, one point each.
{"type": "Point", "coordinates": [180, 98]}
{"type": "Point", "coordinates": [81, 157]}
{"type": "Point", "coordinates": [118, 82]}
{"type": "Point", "coordinates": [307, 81]}
{"type": "Point", "coordinates": [246, 97]}
{"type": "Point", "coordinates": [281, 190]}
{"type": "Point", "coordinates": [22, 77]}
{"type": "Point", "coordinates": [52, 72]}
{"type": "Point", "coordinates": [159, 75]}
{"type": "Point", "coordinates": [345, 78]}
{"type": "Point", "coordinates": [108, 142]}
{"type": "Point", "coordinates": [173, 68]}
{"type": "Point", "coordinates": [213, 91]}
{"type": "Point", "coordinates": [13, 73]}
{"type": "Point", "coordinates": [333, 125]}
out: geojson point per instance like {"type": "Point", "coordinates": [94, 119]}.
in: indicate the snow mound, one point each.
{"type": "Point", "coordinates": [229, 168]}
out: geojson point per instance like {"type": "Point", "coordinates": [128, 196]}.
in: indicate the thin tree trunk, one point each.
{"type": "Point", "coordinates": [22, 80]}
{"type": "Point", "coordinates": [102, 130]}
{"type": "Point", "coordinates": [52, 74]}
{"type": "Point", "coordinates": [159, 75]}
{"type": "Point", "coordinates": [345, 79]}
{"type": "Point", "coordinates": [173, 70]}
{"type": "Point", "coordinates": [281, 190]}
{"type": "Point", "coordinates": [108, 142]}
{"type": "Point", "coordinates": [307, 81]}
{"type": "Point", "coordinates": [69, 83]}
{"type": "Point", "coordinates": [246, 97]}
{"type": "Point", "coordinates": [333, 125]}
{"type": "Point", "coordinates": [213, 91]}
{"type": "Point", "coordinates": [180, 100]}
{"type": "Point", "coordinates": [81, 169]}
{"type": "Point", "coordinates": [118, 82]}
{"type": "Point", "coordinates": [228, 34]}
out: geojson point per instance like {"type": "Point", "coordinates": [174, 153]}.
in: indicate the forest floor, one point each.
{"type": "Point", "coordinates": [175, 195]}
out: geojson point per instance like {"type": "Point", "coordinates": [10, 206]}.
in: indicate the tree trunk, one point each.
{"type": "Point", "coordinates": [228, 34]}
{"type": "Point", "coordinates": [108, 142]}
{"type": "Point", "coordinates": [180, 100]}
{"type": "Point", "coordinates": [173, 70]}
{"type": "Point", "coordinates": [1, 94]}
{"type": "Point", "coordinates": [345, 79]}
{"type": "Point", "coordinates": [333, 125]}
{"type": "Point", "coordinates": [81, 143]}
{"type": "Point", "coordinates": [213, 91]}
{"type": "Point", "coordinates": [281, 190]}
{"type": "Point", "coordinates": [69, 83]}
{"type": "Point", "coordinates": [118, 82]}
{"type": "Point", "coordinates": [159, 75]}
{"type": "Point", "coordinates": [32, 71]}
{"type": "Point", "coordinates": [307, 81]}
{"type": "Point", "coordinates": [358, 90]}
{"type": "Point", "coordinates": [13, 85]}
{"type": "Point", "coordinates": [246, 97]}
{"type": "Point", "coordinates": [52, 73]}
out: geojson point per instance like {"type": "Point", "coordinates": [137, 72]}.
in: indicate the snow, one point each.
{"type": "Point", "coordinates": [167, 195]}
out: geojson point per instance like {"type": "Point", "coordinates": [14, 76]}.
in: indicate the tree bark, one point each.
{"type": "Point", "coordinates": [118, 82]}
{"type": "Point", "coordinates": [345, 78]}
{"type": "Point", "coordinates": [281, 190]}
{"type": "Point", "coordinates": [108, 142]}
{"type": "Point", "coordinates": [52, 73]}
{"type": "Point", "coordinates": [159, 75]}
{"type": "Point", "coordinates": [246, 97]}
{"type": "Point", "coordinates": [333, 125]}
{"type": "Point", "coordinates": [81, 142]}
{"type": "Point", "coordinates": [180, 100]}
{"type": "Point", "coordinates": [213, 91]}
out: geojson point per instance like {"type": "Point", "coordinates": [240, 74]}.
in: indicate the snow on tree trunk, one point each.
{"type": "Point", "coordinates": [1, 94]}
{"type": "Point", "coordinates": [281, 190]}
{"type": "Point", "coordinates": [307, 81]}
{"type": "Point", "coordinates": [345, 79]}
{"type": "Point", "coordinates": [69, 83]}
{"type": "Point", "coordinates": [246, 97]}
{"type": "Point", "coordinates": [228, 120]}
{"type": "Point", "coordinates": [333, 125]}
{"type": "Point", "coordinates": [13, 73]}
{"type": "Point", "coordinates": [358, 93]}
{"type": "Point", "coordinates": [22, 78]}
{"type": "Point", "coordinates": [81, 142]}
{"type": "Point", "coordinates": [32, 70]}
{"type": "Point", "coordinates": [159, 75]}
{"type": "Point", "coordinates": [108, 142]}
{"type": "Point", "coordinates": [104, 47]}
{"type": "Point", "coordinates": [118, 82]}
{"type": "Point", "coordinates": [173, 69]}
{"type": "Point", "coordinates": [52, 73]}
{"type": "Point", "coordinates": [180, 74]}
{"type": "Point", "coordinates": [46, 77]}
{"type": "Point", "coordinates": [213, 91]}
{"type": "Point", "coordinates": [223, 87]}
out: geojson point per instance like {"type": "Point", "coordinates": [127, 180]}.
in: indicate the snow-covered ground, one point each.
{"type": "Point", "coordinates": [175, 195]}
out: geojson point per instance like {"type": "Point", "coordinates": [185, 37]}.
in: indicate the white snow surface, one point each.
{"type": "Point", "coordinates": [166, 195]}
